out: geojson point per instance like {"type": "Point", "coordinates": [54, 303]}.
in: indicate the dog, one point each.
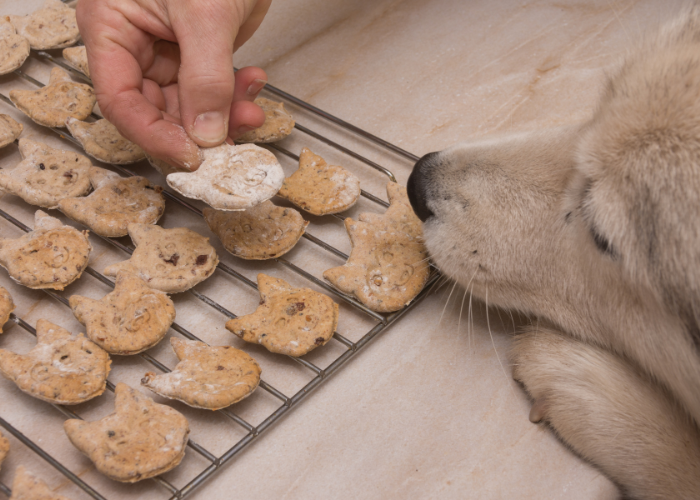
{"type": "Point", "coordinates": [593, 230]}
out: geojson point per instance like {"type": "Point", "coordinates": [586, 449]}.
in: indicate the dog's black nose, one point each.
{"type": "Point", "coordinates": [418, 184]}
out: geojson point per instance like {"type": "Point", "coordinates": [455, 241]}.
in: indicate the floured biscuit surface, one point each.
{"type": "Point", "coordinates": [278, 123]}
{"type": "Point", "coordinates": [51, 27]}
{"type": "Point", "coordinates": [231, 177]}
{"type": "Point", "coordinates": [14, 48]}
{"type": "Point", "coordinates": [62, 368]}
{"type": "Point", "coordinates": [6, 306]}
{"type": "Point", "coordinates": [4, 448]}
{"type": "Point", "coordinates": [388, 264]}
{"type": "Point", "coordinates": [51, 256]}
{"type": "Point", "coordinates": [206, 377]}
{"type": "Point", "coordinates": [288, 320]}
{"type": "Point", "coordinates": [320, 188]}
{"type": "Point", "coordinates": [9, 130]}
{"type": "Point", "coordinates": [129, 320]}
{"type": "Point", "coordinates": [61, 99]}
{"type": "Point", "coordinates": [103, 141]}
{"type": "Point", "coordinates": [141, 439]}
{"type": "Point", "coordinates": [115, 203]}
{"type": "Point", "coordinates": [76, 57]}
{"type": "Point", "coordinates": [27, 486]}
{"type": "Point", "coordinates": [265, 231]}
{"type": "Point", "coordinates": [170, 260]}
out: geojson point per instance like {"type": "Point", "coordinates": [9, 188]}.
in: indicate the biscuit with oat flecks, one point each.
{"type": "Point", "coordinates": [62, 368]}
{"type": "Point", "coordinates": [76, 58]}
{"type": "Point", "coordinates": [4, 448]}
{"type": "Point", "coordinates": [115, 203]}
{"type": "Point", "coordinates": [278, 123]}
{"type": "Point", "coordinates": [169, 260]}
{"type": "Point", "coordinates": [141, 439]}
{"type": "Point", "coordinates": [320, 188]}
{"type": "Point", "coordinates": [206, 377]}
{"type": "Point", "coordinates": [6, 306]}
{"type": "Point", "coordinates": [26, 486]}
{"type": "Point", "coordinates": [14, 48]}
{"type": "Point", "coordinates": [102, 141]}
{"type": "Point", "coordinates": [53, 104]}
{"type": "Point", "coordinates": [128, 320]}
{"type": "Point", "coordinates": [388, 264]}
{"type": "Point", "coordinates": [52, 256]}
{"type": "Point", "coordinates": [9, 130]}
{"type": "Point", "coordinates": [52, 27]}
{"type": "Point", "coordinates": [265, 231]}
{"type": "Point", "coordinates": [289, 320]}
{"type": "Point", "coordinates": [46, 175]}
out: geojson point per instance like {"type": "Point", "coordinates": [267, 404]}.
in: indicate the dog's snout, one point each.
{"type": "Point", "coordinates": [418, 184]}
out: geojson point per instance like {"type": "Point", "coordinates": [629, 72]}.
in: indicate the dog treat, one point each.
{"type": "Point", "coordinates": [6, 306]}
{"type": "Point", "coordinates": [388, 263]}
{"type": "Point", "coordinates": [115, 203]}
{"type": "Point", "coordinates": [26, 486]}
{"type": "Point", "coordinates": [102, 141]}
{"type": "Point", "coordinates": [170, 260]}
{"type": "Point", "coordinates": [231, 177]}
{"type": "Point", "coordinates": [206, 377]}
{"type": "Point", "coordinates": [129, 320]}
{"type": "Point", "coordinates": [141, 439]}
{"type": "Point", "coordinates": [4, 448]}
{"type": "Point", "coordinates": [265, 231]}
{"type": "Point", "coordinates": [9, 130]}
{"type": "Point", "coordinates": [289, 320]}
{"type": "Point", "coordinates": [61, 99]}
{"type": "Point", "coordinates": [46, 175]}
{"type": "Point", "coordinates": [62, 368]}
{"type": "Point", "coordinates": [14, 48]}
{"type": "Point", "coordinates": [51, 256]}
{"type": "Point", "coordinates": [278, 123]}
{"type": "Point", "coordinates": [163, 167]}
{"type": "Point", "coordinates": [51, 27]}
{"type": "Point", "coordinates": [76, 57]}
{"type": "Point", "coordinates": [320, 188]}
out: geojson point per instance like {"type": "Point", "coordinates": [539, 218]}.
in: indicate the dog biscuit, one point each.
{"type": "Point", "coordinates": [52, 27]}
{"type": "Point", "coordinates": [51, 256]}
{"type": "Point", "coordinates": [76, 57]}
{"type": "Point", "coordinates": [62, 368]}
{"type": "Point", "coordinates": [4, 448]}
{"type": "Point", "coordinates": [231, 177]}
{"type": "Point", "coordinates": [289, 320]}
{"type": "Point", "coordinates": [388, 264]}
{"type": "Point", "coordinates": [102, 141]}
{"type": "Point", "coordinates": [278, 123]}
{"type": "Point", "coordinates": [6, 306]}
{"type": "Point", "coordinates": [14, 48]}
{"type": "Point", "coordinates": [265, 231]}
{"type": "Point", "coordinates": [26, 486]}
{"type": "Point", "coordinates": [141, 439]}
{"type": "Point", "coordinates": [206, 377]}
{"type": "Point", "coordinates": [163, 167]}
{"type": "Point", "coordinates": [61, 99]}
{"type": "Point", "coordinates": [115, 203]}
{"type": "Point", "coordinates": [170, 260]}
{"type": "Point", "coordinates": [320, 188]}
{"type": "Point", "coordinates": [129, 320]}
{"type": "Point", "coordinates": [9, 130]}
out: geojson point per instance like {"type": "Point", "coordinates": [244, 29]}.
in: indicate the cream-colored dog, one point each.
{"type": "Point", "coordinates": [595, 231]}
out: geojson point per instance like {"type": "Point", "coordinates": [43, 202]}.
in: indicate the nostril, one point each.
{"type": "Point", "coordinates": [417, 186]}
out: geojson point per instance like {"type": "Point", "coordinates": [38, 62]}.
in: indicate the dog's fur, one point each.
{"type": "Point", "coordinates": [595, 230]}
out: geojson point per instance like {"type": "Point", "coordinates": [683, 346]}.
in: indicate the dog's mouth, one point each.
{"type": "Point", "coordinates": [417, 186]}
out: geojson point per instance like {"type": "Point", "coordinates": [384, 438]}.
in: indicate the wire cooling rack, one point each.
{"type": "Point", "coordinates": [285, 402]}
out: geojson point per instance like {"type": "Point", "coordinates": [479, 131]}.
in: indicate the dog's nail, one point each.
{"type": "Point", "coordinates": [537, 411]}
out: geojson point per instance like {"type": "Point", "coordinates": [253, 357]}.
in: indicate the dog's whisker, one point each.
{"type": "Point", "coordinates": [447, 302]}
{"type": "Point", "coordinates": [493, 343]}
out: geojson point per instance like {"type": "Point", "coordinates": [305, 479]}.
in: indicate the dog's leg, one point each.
{"type": "Point", "coordinates": [610, 415]}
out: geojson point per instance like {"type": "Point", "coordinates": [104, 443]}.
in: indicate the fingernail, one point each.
{"type": "Point", "coordinates": [210, 127]}
{"type": "Point", "coordinates": [244, 128]}
{"type": "Point", "coordinates": [255, 87]}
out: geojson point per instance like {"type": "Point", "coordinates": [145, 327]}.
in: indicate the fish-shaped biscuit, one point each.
{"type": "Point", "coordinates": [278, 123]}
{"type": "Point", "coordinates": [76, 57]}
{"type": "Point", "coordinates": [102, 141]}
{"type": "Point", "coordinates": [4, 448]}
{"type": "Point", "coordinates": [6, 306]}
{"type": "Point", "coordinates": [27, 486]}
{"type": "Point", "coordinates": [14, 48]}
{"type": "Point", "coordinates": [9, 130]}
{"type": "Point", "coordinates": [52, 27]}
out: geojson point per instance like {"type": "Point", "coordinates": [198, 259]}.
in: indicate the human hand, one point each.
{"type": "Point", "coordinates": [163, 73]}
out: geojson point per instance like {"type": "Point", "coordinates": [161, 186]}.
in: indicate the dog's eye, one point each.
{"type": "Point", "coordinates": [601, 242]}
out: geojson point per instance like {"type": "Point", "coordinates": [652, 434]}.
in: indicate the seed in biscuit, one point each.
{"type": "Point", "coordinates": [27, 486]}
{"type": "Point", "coordinates": [231, 177]}
{"type": "Point", "coordinates": [206, 377]}
{"type": "Point", "coordinates": [52, 27]}
{"type": "Point", "coordinates": [6, 306]}
{"type": "Point", "coordinates": [265, 231]}
{"type": "Point", "coordinates": [46, 175]}
{"type": "Point", "coordinates": [320, 188]}
{"type": "Point", "coordinates": [289, 320]}
{"type": "Point", "coordinates": [115, 203]}
{"type": "Point", "coordinates": [62, 368]}
{"type": "Point", "coordinates": [278, 123]}
{"type": "Point", "coordinates": [141, 439]}
{"type": "Point", "coordinates": [388, 264]}
{"type": "Point", "coordinates": [52, 256]}
{"type": "Point", "coordinates": [14, 48]}
{"type": "Point", "coordinates": [9, 130]}
{"type": "Point", "coordinates": [102, 141]}
{"type": "Point", "coordinates": [4, 448]}
{"type": "Point", "coordinates": [170, 260]}
{"type": "Point", "coordinates": [76, 57]}
{"type": "Point", "coordinates": [61, 99]}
